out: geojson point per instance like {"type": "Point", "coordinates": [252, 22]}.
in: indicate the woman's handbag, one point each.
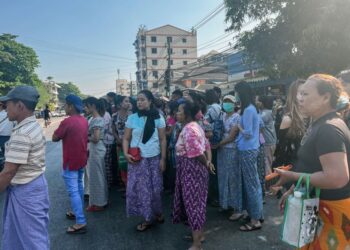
{"type": "Point", "coordinates": [135, 153]}
{"type": "Point", "coordinates": [301, 215]}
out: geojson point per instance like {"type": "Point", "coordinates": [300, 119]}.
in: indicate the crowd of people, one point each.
{"type": "Point", "coordinates": [204, 148]}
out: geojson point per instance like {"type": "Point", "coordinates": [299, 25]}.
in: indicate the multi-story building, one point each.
{"type": "Point", "coordinates": [52, 88]}
{"type": "Point", "coordinates": [156, 48]}
{"type": "Point", "coordinates": [126, 88]}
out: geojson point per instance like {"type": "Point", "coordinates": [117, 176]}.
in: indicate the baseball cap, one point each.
{"type": "Point", "coordinates": [75, 101]}
{"type": "Point", "coordinates": [23, 92]}
{"type": "Point", "coordinates": [230, 98]}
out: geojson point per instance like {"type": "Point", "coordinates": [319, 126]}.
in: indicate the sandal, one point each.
{"type": "Point", "coordinates": [188, 237]}
{"type": "Point", "coordinates": [70, 216]}
{"type": "Point", "coordinates": [74, 230]}
{"type": "Point", "coordinates": [235, 217]}
{"type": "Point", "coordinates": [143, 226]}
{"type": "Point", "coordinates": [250, 227]}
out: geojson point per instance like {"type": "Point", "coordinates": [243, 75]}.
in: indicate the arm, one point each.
{"type": "Point", "coordinates": [247, 117]}
{"type": "Point", "coordinates": [95, 137]}
{"type": "Point", "coordinates": [334, 174]}
{"type": "Point", "coordinates": [162, 141]}
{"type": "Point", "coordinates": [55, 138]}
{"type": "Point", "coordinates": [231, 137]}
{"type": "Point", "coordinates": [286, 122]}
{"type": "Point", "coordinates": [126, 143]}
{"type": "Point", "coordinates": [7, 174]}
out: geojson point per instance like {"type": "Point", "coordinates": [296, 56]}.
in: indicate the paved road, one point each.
{"type": "Point", "coordinates": [112, 230]}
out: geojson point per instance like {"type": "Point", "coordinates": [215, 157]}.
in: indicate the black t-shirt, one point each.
{"type": "Point", "coordinates": [329, 134]}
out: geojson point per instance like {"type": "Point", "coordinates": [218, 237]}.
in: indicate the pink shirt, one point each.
{"type": "Point", "coordinates": [192, 141]}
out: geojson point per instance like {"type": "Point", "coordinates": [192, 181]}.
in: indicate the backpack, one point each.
{"type": "Point", "coordinates": [218, 129]}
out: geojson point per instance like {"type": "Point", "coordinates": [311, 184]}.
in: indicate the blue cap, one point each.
{"type": "Point", "coordinates": [76, 101]}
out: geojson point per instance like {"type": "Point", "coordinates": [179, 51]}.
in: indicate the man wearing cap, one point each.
{"type": "Point", "coordinates": [25, 218]}
{"type": "Point", "coordinates": [73, 131]}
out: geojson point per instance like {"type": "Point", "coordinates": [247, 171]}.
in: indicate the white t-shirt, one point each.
{"type": "Point", "coordinates": [5, 125]}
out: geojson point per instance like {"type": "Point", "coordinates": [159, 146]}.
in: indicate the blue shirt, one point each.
{"type": "Point", "coordinates": [249, 138]}
{"type": "Point", "coordinates": [137, 124]}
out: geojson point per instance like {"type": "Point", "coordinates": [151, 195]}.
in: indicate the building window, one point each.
{"type": "Point", "coordinates": [143, 50]}
{"type": "Point", "coordinates": [155, 85]}
{"type": "Point", "coordinates": [143, 61]}
{"type": "Point", "coordinates": [154, 50]}
{"type": "Point", "coordinates": [169, 39]}
{"type": "Point", "coordinates": [171, 51]}
{"type": "Point", "coordinates": [184, 51]}
{"type": "Point", "coordinates": [153, 39]}
{"type": "Point", "coordinates": [184, 40]}
{"type": "Point", "coordinates": [185, 62]}
{"type": "Point", "coordinates": [154, 62]}
{"type": "Point", "coordinates": [155, 74]}
{"type": "Point", "coordinates": [171, 62]}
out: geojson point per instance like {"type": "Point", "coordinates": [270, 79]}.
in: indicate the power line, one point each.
{"type": "Point", "coordinates": [209, 16]}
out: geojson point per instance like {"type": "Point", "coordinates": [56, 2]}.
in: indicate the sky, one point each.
{"type": "Point", "coordinates": [86, 41]}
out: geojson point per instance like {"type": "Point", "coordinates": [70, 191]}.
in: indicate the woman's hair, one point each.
{"type": "Point", "coordinates": [267, 101]}
{"type": "Point", "coordinates": [199, 100]}
{"type": "Point", "coordinates": [211, 96]}
{"type": "Point", "coordinates": [190, 109]}
{"type": "Point", "coordinates": [245, 94]}
{"type": "Point", "coordinates": [297, 128]}
{"type": "Point", "coordinates": [98, 103]}
{"type": "Point", "coordinates": [328, 84]}
{"type": "Point", "coordinates": [173, 106]}
{"type": "Point", "coordinates": [106, 105]}
{"type": "Point", "coordinates": [120, 100]}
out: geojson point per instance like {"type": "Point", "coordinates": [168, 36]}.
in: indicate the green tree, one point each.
{"type": "Point", "coordinates": [68, 88]}
{"type": "Point", "coordinates": [17, 63]}
{"type": "Point", "coordinates": [17, 67]}
{"type": "Point", "coordinates": [293, 38]}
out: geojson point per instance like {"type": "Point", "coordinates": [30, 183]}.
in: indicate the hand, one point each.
{"type": "Point", "coordinates": [162, 165]}
{"type": "Point", "coordinates": [211, 167]}
{"type": "Point", "coordinates": [285, 176]}
{"type": "Point", "coordinates": [284, 198]}
{"type": "Point", "coordinates": [129, 158]}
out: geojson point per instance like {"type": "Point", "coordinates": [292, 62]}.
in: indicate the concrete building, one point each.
{"type": "Point", "coordinates": [126, 88]}
{"type": "Point", "coordinates": [52, 88]}
{"type": "Point", "coordinates": [151, 49]}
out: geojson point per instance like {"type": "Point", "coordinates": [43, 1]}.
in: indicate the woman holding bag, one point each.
{"type": "Point", "coordinates": [324, 154]}
{"type": "Point", "coordinates": [144, 146]}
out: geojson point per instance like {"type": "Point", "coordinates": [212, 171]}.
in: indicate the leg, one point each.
{"type": "Point", "coordinates": [71, 179]}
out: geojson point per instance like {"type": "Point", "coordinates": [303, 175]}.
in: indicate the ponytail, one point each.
{"type": "Point", "coordinates": [98, 103]}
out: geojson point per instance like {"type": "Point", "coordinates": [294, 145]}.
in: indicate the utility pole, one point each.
{"type": "Point", "coordinates": [118, 71]}
{"type": "Point", "coordinates": [130, 86]}
{"type": "Point", "coordinates": [168, 70]}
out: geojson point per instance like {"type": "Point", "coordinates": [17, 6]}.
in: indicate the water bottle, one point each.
{"type": "Point", "coordinates": [293, 219]}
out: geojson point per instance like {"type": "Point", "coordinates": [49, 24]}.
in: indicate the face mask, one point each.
{"type": "Point", "coordinates": [228, 107]}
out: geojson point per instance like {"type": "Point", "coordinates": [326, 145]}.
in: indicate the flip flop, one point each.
{"type": "Point", "coordinates": [236, 218]}
{"type": "Point", "coordinates": [143, 226]}
{"type": "Point", "coordinates": [70, 216]}
{"type": "Point", "coordinates": [73, 230]}
{"type": "Point", "coordinates": [249, 227]}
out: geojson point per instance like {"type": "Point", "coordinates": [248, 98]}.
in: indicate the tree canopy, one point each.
{"type": "Point", "coordinates": [293, 38]}
{"type": "Point", "coordinates": [68, 88]}
{"type": "Point", "coordinates": [17, 67]}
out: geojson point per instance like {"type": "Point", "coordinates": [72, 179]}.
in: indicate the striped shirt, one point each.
{"type": "Point", "coordinates": [26, 147]}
